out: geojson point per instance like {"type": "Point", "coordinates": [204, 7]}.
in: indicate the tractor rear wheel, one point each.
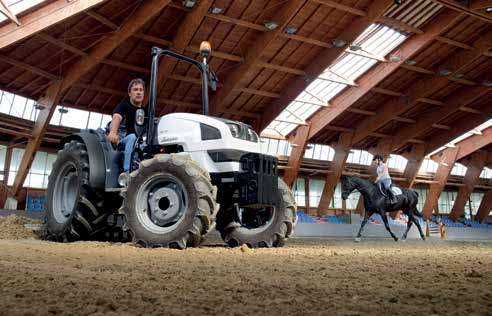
{"type": "Point", "coordinates": [263, 227]}
{"type": "Point", "coordinates": [74, 210]}
{"type": "Point", "coordinates": [169, 202]}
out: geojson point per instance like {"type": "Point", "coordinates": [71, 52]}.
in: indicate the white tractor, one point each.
{"type": "Point", "coordinates": [190, 173]}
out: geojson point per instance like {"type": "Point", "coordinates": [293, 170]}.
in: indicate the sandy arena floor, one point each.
{"type": "Point", "coordinates": [307, 277]}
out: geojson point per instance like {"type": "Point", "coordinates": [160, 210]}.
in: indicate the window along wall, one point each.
{"type": "Point", "coordinates": [40, 169]}
{"type": "Point", "coordinates": [316, 190]}
{"type": "Point", "coordinates": [19, 106]}
{"type": "Point", "coordinates": [24, 108]}
{"type": "Point", "coordinates": [445, 202]}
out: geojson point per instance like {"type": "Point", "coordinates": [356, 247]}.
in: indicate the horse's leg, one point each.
{"type": "Point", "coordinates": [364, 222]}
{"type": "Point", "coordinates": [420, 228]}
{"type": "Point", "coordinates": [409, 224]}
{"type": "Point", "coordinates": [385, 220]}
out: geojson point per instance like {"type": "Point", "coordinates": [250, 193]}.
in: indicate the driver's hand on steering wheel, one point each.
{"type": "Point", "coordinates": [113, 138]}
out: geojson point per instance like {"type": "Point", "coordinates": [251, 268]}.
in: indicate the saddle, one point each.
{"type": "Point", "coordinates": [395, 190]}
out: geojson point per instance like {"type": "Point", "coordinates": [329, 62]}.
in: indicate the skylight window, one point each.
{"type": "Point", "coordinates": [19, 6]}
{"type": "Point", "coordinates": [376, 41]}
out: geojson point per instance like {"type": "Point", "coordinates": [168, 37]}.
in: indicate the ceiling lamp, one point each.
{"type": "Point", "coordinates": [395, 58]}
{"type": "Point", "coordinates": [63, 110]}
{"type": "Point", "coordinates": [339, 43]}
{"type": "Point", "coordinates": [355, 47]}
{"type": "Point", "coordinates": [487, 83]}
{"type": "Point", "coordinates": [189, 4]}
{"type": "Point", "coordinates": [411, 62]}
{"type": "Point", "coordinates": [270, 25]}
{"type": "Point", "coordinates": [216, 10]}
{"type": "Point", "coordinates": [290, 30]}
{"type": "Point", "coordinates": [458, 75]}
{"type": "Point", "coordinates": [445, 72]}
{"type": "Point", "coordinates": [488, 10]}
{"type": "Point", "coordinates": [39, 106]}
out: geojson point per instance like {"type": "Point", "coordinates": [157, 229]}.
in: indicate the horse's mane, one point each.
{"type": "Point", "coordinates": [361, 181]}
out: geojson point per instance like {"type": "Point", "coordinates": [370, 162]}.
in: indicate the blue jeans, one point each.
{"type": "Point", "coordinates": [386, 183]}
{"type": "Point", "coordinates": [129, 142]}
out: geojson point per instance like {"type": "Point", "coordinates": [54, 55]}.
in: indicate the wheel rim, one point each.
{"type": "Point", "coordinates": [256, 220]}
{"type": "Point", "coordinates": [161, 203]}
{"type": "Point", "coordinates": [65, 193]}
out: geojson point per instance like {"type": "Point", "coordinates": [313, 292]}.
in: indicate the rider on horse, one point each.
{"type": "Point", "coordinates": [383, 179]}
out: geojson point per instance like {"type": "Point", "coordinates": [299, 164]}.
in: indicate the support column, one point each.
{"type": "Point", "coordinates": [485, 207]}
{"type": "Point", "coordinates": [473, 171]}
{"type": "Point", "coordinates": [50, 100]}
{"type": "Point", "coordinates": [342, 151]}
{"type": "Point", "coordinates": [415, 159]}
{"type": "Point", "coordinates": [446, 160]}
{"type": "Point", "coordinates": [8, 160]}
{"type": "Point", "coordinates": [4, 190]}
{"type": "Point", "coordinates": [299, 143]}
{"type": "Point", "coordinates": [306, 190]}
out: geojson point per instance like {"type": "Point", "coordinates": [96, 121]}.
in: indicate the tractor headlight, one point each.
{"type": "Point", "coordinates": [140, 117]}
{"type": "Point", "coordinates": [252, 136]}
{"type": "Point", "coordinates": [235, 130]}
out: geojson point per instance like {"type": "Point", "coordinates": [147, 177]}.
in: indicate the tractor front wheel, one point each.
{"type": "Point", "coordinates": [169, 202]}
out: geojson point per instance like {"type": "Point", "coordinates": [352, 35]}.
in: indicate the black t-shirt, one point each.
{"type": "Point", "coordinates": [127, 111]}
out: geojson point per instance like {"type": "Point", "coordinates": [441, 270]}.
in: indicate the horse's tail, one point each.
{"type": "Point", "coordinates": [415, 211]}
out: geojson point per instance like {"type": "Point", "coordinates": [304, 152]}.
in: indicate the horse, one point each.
{"type": "Point", "coordinates": [376, 202]}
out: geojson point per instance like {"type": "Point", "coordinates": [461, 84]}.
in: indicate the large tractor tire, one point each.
{"type": "Point", "coordinates": [169, 202]}
{"type": "Point", "coordinates": [265, 227]}
{"type": "Point", "coordinates": [74, 211]}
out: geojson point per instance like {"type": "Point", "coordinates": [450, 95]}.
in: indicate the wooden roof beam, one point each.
{"type": "Point", "coordinates": [471, 144]}
{"type": "Point", "coordinates": [400, 25]}
{"type": "Point", "coordinates": [360, 111]}
{"type": "Point", "coordinates": [96, 16]}
{"type": "Point", "coordinates": [458, 7]}
{"type": "Point", "coordinates": [181, 40]}
{"type": "Point", "coordinates": [453, 102]}
{"type": "Point", "coordinates": [43, 18]}
{"type": "Point", "coordinates": [4, 8]}
{"type": "Point", "coordinates": [53, 94]}
{"type": "Point", "coordinates": [471, 122]}
{"type": "Point", "coordinates": [388, 21]}
{"type": "Point", "coordinates": [421, 89]}
{"type": "Point", "coordinates": [253, 55]}
{"type": "Point", "coordinates": [380, 72]}
{"type": "Point", "coordinates": [480, 4]}
{"type": "Point", "coordinates": [453, 42]}
{"type": "Point", "coordinates": [341, 7]}
{"type": "Point", "coordinates": [323, 61]}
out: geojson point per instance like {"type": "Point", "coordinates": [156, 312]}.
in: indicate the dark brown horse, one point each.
{"type": "Point", "coordinates": [376, 202]}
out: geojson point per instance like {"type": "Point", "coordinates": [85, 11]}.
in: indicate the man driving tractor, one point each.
{"type": "Point", "coordinates": [123, 132]}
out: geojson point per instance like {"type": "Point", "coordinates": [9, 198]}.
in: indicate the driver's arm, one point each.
{"type": "Point", "coordinates": [113, 133]}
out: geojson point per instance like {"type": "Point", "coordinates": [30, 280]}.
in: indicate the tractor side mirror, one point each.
{"type": "Point", "coordinates": [140, 117]}
{"type": "Point", "coordinates": [213, 79]}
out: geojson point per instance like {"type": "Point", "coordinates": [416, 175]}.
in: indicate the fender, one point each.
{"type": "Point", "coordinates": [103, 160]}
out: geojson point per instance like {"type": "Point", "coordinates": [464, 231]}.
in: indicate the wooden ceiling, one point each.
{"type": "Point", "coordinates": [260, 69]}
